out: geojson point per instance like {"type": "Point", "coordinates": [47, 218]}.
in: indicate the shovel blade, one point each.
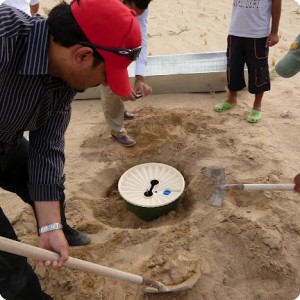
{"type": "Point", "coordinates": [217, 198]}
{"type": "Point", "coordinates": [159, 288]}
{"type": "Point", "coordinates": [218, 178]}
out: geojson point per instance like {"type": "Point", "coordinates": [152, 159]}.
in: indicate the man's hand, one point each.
{"type": "Point", "coordinates": [297, 183]}
{"type": "Point", "coordinates": [272, 39]}
{"type": "Point", "coordinates": [48, 212]}
{"type": "Point", "coordinates": [130, 97]}
{"type": "Point", "coordinates": [141, 87]}
{"type": "Point", "coordinates": [55, 241]}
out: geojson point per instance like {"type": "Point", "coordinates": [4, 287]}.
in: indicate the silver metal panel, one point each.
{"type": "Point", "coordinates": [187, 83]}
{"type": "Point", "coordinates": [193, 63]}
{"type": "Point", "coordinates": [185, 73]}
{"type": "Point", "coordinates": [180, 73]}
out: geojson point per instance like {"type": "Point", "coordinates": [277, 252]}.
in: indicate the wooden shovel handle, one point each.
{"type": "Point", "coordinates": [260, 187]}
{"type": "Point", "coordinates": [40, 254]}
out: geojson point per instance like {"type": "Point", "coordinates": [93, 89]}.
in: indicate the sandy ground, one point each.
{"type": "Point", "coordinates": [249, 248]}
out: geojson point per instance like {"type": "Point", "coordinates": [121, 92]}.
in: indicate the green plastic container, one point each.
{"type": "Point", "coordinates": [150, 214]}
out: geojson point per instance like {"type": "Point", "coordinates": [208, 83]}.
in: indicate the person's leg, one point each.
{"type": "Point", "coordinates": [258, 70]}
{"type": "Point", "coordinates": [257, 101]}
{"type": "Point", "coordinates": [235, 67]}
{"type": "Point", "coordinates": [232, 97]}
{"type": "Point", "coordinates": [17, 279]}
{"type": "Point", "coordinates": [234, 72]}
{"type": "Point", "coordinates": [14, 178]}
{"type": "Point", "coordinates": [73, 236]}
{"type": "Point", "coordinates": [113, 109]}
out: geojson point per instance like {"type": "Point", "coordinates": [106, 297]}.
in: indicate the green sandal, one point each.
{"type": "Point", "coordinates": [222, 106]}
{"type": "Point", "coordinates": [254, 116]}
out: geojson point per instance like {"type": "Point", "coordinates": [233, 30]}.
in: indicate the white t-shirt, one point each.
{"type": "Point", "coordinates": [251, 18]}
{"type": "Point", "coordinates": [22, 4]}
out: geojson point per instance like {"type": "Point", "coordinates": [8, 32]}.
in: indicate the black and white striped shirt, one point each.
{"type": "Point", "coordinates": [31, 99]}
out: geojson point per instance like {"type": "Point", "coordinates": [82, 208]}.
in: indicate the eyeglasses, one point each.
{"type": "Point", "coordinates": [132, 54]}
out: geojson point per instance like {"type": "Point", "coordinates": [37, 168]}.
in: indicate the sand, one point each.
{"type": "Point", "coordinates": [247, 249]}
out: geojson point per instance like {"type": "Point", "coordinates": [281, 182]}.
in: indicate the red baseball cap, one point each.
{"type": "Point", "coordinates": [109, 23]}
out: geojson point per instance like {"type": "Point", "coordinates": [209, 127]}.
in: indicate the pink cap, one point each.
{"type": "Point", "coordinates": [110, 23]}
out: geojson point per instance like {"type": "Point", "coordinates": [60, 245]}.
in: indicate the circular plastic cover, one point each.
{"type": "Point", "coordinates": [151, 185]}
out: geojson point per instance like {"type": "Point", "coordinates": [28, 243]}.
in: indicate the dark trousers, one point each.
{"type": "Point", "coordinates": [253, 53]}
{"type": "Point", "coordinates": [17, 279]}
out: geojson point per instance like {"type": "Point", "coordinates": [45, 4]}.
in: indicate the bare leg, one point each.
{"type": "Point", "coordinates": [257, 101]}
{"type": "Point", "coordinates": [232, 97]}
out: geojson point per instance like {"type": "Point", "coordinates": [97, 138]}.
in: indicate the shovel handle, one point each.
{"type": "Point", "coordinates": [259, 187]}
{"type": "Point", "coordinates": [40, 254]}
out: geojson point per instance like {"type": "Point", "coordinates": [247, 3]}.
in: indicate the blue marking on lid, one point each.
{"type": "Point", "coordinates": [167, 192]}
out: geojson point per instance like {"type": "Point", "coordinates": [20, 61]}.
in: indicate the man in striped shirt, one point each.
{"type": "Point", "coordinates": [43, 63]}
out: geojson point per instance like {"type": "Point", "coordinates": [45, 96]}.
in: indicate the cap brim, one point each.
{"type": "Point", "coordinates": [116, 72]}
{"type": "Point", "coordinates": [287, 66]}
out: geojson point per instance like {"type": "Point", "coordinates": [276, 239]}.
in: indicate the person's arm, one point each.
{"type": "Point", "coordinates": [141, 63]}
{"type": "Point", "coordinates": [34, 8]}
{"type": "Point", "coordinates": [273, 37]}
{"type": "Point", "coordinates": [46, 180]}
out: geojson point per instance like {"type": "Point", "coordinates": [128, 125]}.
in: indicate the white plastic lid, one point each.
{"type": "Point", "coordinates": [151, 185]}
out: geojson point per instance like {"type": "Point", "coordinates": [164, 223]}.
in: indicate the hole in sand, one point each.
{"type": "Point", "coordinates": [113, 211]}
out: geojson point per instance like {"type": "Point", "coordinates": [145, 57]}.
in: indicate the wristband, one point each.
{"type": "Point", "coordinates": [50, 227]}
